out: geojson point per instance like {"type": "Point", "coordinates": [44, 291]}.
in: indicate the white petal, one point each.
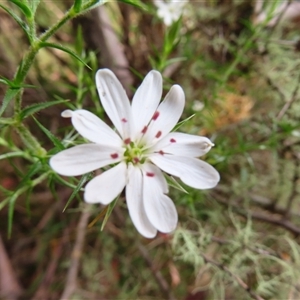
{"type": "Point", "coordinates": [182, 144]}
{"type": "Point", "coordinates": [160, 209]}
{"type": "Point", "coordinates": [193, 172]}
{"type": "Point", "coordinates": [84, 158]}
{"type": "Point", "coordinates": [92, 128]}
{"type": "Point", "coordinates": [134, 199]}
{"type": "Point", "coordinates": [107, 186]}
{"type": "Point", "coordinates": [146, 100]}
{"type": "Point", "coordinates": [115, 101]}
{"type": "Point", "coordinates": [167, 115]}
{"type": "Point", "coordinates": [153, 170]}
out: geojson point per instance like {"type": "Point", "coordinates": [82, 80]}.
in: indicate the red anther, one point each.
{"type": "Point", "coordinates": [158, 134]}
{"type": "Point", "coordinates": [150, 174]}
{"type": "Point", "coordinates": [114, 155]}
{"type": "Point", "coordinates": [144, 129]}
{"type": "Point", "coordinates": [124, 120]}
{"type": "Point", "coordinates": [136, 160]}
{"type": "Point", "coordinates": [172, 140]}
{"type": "Point", "coordinates": [155, 116]}
{"type": "Point", "coordinates": [127, 141]}
{"type": "Point", "coordinates": [161, 152]}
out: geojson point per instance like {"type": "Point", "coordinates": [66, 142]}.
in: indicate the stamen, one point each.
{"type": "Point", "coordinates": [150, 174]}
{"type": "Point", "coordinates": [161, 152]}
{"type": "Point", "coordinates": [172, 140]}
{"type": "Point", "coordinates": [136, 160]}
{"type": "Point", "coordinates": [127, 141]}
{"type": "Point", "coordinates": [158, 134]}
{"type": "Point", "coordinates": [124, 120]}
{"type": "Point", "coordinates": [114, 155]}
{"type": "Point", "coordinates": [144, 129]}
{"type": "Point", "coordinates": [155, 116]}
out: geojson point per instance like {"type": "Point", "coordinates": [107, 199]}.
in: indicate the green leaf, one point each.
{"type": "Point", "coordinates": [175, 184]}
{"type": "Point", "coordinates": [178, 125]}
{"type": "Point", "coordinates": [56, 142]}
{"type": "Point", "coordinates": [172, 36]}
{"type": "Point", "coordinates": [33, 5]}
{"type": "Point", "coordinates": [9, 95]}
{"type": "Point", "coordinates": [11, 207]}
{"type": "Point", "coordinates": [77, 6]}
{"type": "Point", "coordinates": [12, 154]}
{"type": "Point", "coordinates": [24, 8]}
{"type": "Point", "coordinates": [136, 3]}
{"type": "Point", "coordinates": [82, 181]}
{"type": "Point", "coordinates": [72, 53]}
{"type": "Point", "coordinates": [30, 110]}
{"type": "Point", "coordinates": [14, 85]}
{"type": "Point", "coordinates": [34, 169]}
{"type": "Point", "coordinates": [109, 211]}
{"type": "Point", "coordinates": [19, 21]}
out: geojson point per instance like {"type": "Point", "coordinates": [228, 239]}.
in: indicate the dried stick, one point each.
{"type": "Point", "coordinates": [242, 283]}
{"type": "Point", "coordinates": [260, 216]}
{"type": "Point", "coordinates": [163, 284]}
{"type": "Point", "coordinates": [157, 274]}
{"type": "Point", "coordinates": [289, 103]}
{"type": "Point", "coordinates": [71, 284]}
{"type": "Point", "coordinates": [9, 286]}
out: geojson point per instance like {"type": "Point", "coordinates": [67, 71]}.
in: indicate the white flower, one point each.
{"type": "Point", "coordinates": [170, 11]}
{"type": "Point", "coordinates": [142, 145]}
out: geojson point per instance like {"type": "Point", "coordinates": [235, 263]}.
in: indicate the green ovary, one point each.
{"type": "Point", "coordinates": [134, 154]}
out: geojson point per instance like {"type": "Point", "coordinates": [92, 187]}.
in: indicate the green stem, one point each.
{"type": "Point", "coordinates": [30, 141]}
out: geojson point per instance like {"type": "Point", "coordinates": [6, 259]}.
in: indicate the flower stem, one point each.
{"type": "Point", "coordinates": [30, 141]}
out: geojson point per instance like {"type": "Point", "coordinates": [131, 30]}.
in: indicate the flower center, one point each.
{"type": "Point", "coordinates": [134, 153]}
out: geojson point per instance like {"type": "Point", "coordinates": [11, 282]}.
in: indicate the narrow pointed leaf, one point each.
{"type": "Point", "coordinates": [77, 5]}
{"type": "Point", "coordinates": [81, 182]}
{"type": "Point", "coordinates": [175, 184]}
{"type": "Point", "coordinates": [19, 21]}
{"type": "Point", "coordinates": [181, 123]}
{"type": "Point", "coordinates": [12, 154]}
{"type": "Point", "coordinates": [33, 5]}
{"type": "Point", "coordinates": [23, 7]}
{"type": "Point", "coordinates": [110, 208]}
{"type": "Point", "coordinates": [62, 48]}
{"type": "Point", "coordinates": [37, 107]}
{"type": "Point", "coordinates": [56, 142]}
{"type": "Point", "coordinates": [10, 94]}
{"type": "Point", "coordinates": [11, 206]}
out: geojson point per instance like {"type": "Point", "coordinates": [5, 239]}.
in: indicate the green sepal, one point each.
{"type": "Point", "coordinates": [69, 51]}
{"type": "Point", "coordinates": [109, 210]}
{"type": "Point", "coordinates": [34, 108]}
{"type": "Point", "coordinates": [181, 123]}
{"type": "Point", "coordinates": [175, 184]}
{"type": "Point", "coordinates": [79, 186]}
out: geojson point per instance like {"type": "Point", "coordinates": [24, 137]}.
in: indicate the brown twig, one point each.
{"type": "Point", "coordinates": [264, 217]}
{"type": "Point", "coordinates": [163, 284]}
{"type": "Point", "coordinates": [71, 284]}
{"type": "Point", "coordinates": [241, 283]}
{"type": "Point", "coordinates": [157, 274]}
{"type": "Point", "coordinates": [43, 289]}
{"type": "Point", "coordinates": [289, 103]}
{"type": "Point", "coordinates": [9, 286]}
